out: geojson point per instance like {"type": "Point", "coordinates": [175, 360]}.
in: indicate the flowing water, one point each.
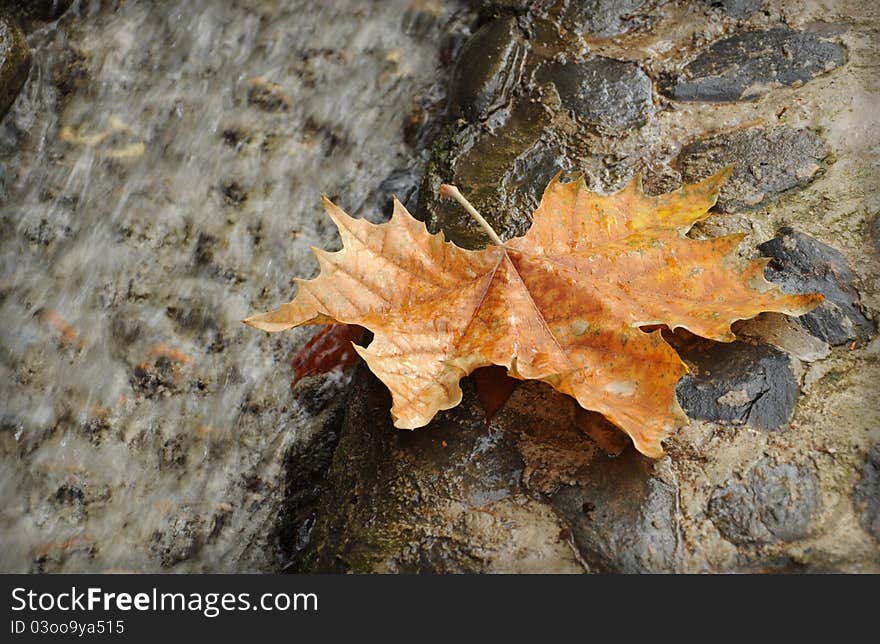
{"type": "Point", "coordinates": [159, 180]}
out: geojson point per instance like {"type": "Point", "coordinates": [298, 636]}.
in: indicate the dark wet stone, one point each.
{"type": "Point", "coordinates": [774, 502]}
{"type": "Point", "coordinates": [306, 466]}
{"type": "Point", "coordinates": [868, 493]}
{"type": "Point", "coordinates": [443, 498]}
{"type": "Point", "coordinates": [747, 65]}
{"type": "Point", "coordinates": [623, 519]}
{"type": "Point", "coordinates": [602, 18]}
{"type": "Point", "coordinates": [532, 172]}
{"type": "Point", "coordinates": [478, 162]}
{"type": "Point", "coordinates": [738, 383]}
{"type": "Point", "coordinates": [15, 62]}
{"type": "Point", "coordinates": [402, 183]}
{"type": "Point", "coordinates": [607, 93]}
{"type": "Point", "coordinates": [737, 8]}
{"type": "Point", "coordinates": [767, 162]}
{"type": "Point", "coordinates": [875, 231]}
{"type": "Point", "coordinates": [37, 9]}
{"type": "Point", "coordinates": [802, 264]}
{"type": "Point", "coordinates": [488, 70]}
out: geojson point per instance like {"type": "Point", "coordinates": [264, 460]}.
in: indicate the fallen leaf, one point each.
{"type": "Point", "coordinates": [564, 303]}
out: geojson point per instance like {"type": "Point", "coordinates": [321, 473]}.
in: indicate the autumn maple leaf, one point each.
{"type": "Point", "coordinates": [564, 303]}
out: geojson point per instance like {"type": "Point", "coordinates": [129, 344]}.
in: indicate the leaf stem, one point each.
{"type": "Point", "coordinates": [447, 190]}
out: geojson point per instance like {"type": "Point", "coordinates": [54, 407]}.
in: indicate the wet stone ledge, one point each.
{"type": "Point", "coordinates": [488, 70]}
{"type": "Point", "coordinates": [802, 264]}
{"type": "Point", "coordinates": [747, 65]}
{"type": "Point", "coordinates": [603, 92]}
{"type": "Point", "coordinates": [767, 163]}
{"type": "Point", "coordinates": [15, 62]}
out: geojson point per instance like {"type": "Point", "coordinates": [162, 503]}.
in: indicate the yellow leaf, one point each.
{"type": "Point", "coordinates": [564, 303]}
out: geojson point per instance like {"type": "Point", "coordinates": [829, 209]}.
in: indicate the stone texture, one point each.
{"type": "Point", "coordinates": [602, 18]}
{"type": "Point", "coordinates": [623, 518]}
{"type": "Point", "coordinates": [738, 383]}
{"type": "Point", "coordinates": [747, 65]}
{"type": "Point", "coordinates": [15, 62]}
{"type": "Point", "coordinates": [767, 162]}
{"type": "Point", "coordinates": [736, 8]}
{"type": "Point", "coordinates": [444, 498]}
{"type": "Point", "coordinates": [603, 92]}
{"type": "Point", "coordinates": [402, 184]}
{"type": "Point", "coordinates": [773, 502]}
{"type": "Point", "coordinates": [478, 162]}
{"type": "Point", "coordinates": [531, 173]}
{"type": "Point", "coordinates": [802, 264]}
{"type": "Point", "coordinates": [37, 9]}
{"type": "Point", "coordinates": [488, 70]}
{"type": "Point", "coordinates": [867, 492]}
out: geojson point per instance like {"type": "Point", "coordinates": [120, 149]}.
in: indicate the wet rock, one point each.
{"type": "Point", "coordinates": [488, 70]}
{"type": "Point", "coordinates": [444, 498]}
{"type": "Point", "coordinates": [868, 493]}
{"type": "Point", "coordinates": [802, 264]}
{"type": "Point", "coordinates": [767, 162]}
{"type": "Point", "coordinates": [532, 172]}
{"type": "Point", "coordinates": [306, 466]}
{"type": "Point", "coordinates": [780, 331]}
{"type": "Point", "coordinates": [478, 162]}
{"type": "Point", "coordinates": [15, 62]}
{"type": "Point", "coordinates": [602, 18]}
{"type": "Point", "coordinates": [736, 8]}
{"type": "Point", "coordinates": [747, 65]}
{"type": "Point", "coordinates": [37, 9]}
{"type": "Point", "coordinates": [623, 518]}
{"type": "Point", "coordinates": [737, 383]}
{"type": "Point", "coordinates": [603, 92]}
{"type": "Point", "coordinates": [773, 502]}
{"type": "Point", "coordinates": [403, 184]}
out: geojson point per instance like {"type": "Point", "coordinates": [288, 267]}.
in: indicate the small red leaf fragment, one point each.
{"type": "Point", "coordinates": [329, 350]}
{"type": "Point", "coordinates": [494, 387]}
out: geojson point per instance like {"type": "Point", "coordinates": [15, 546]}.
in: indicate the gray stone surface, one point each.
{"type": "Point", "coordinates": [15, 62]}
{"type": "Point", "coordinates": [602, 18]}
{"type": "Point", "coordinates": [736, 8]}
{"type": "Point", "coordinates": [802, 264]}
{"type": "Point", "coordinates": [770, 503]}
{"type": "Point", "coordinates": [403, 184]}
{"type": "Point", "coordinates": [867, 494]}
{"type": "Point", "coordinates": [488, 70]}
{"type": "Point", "coordinates": [747, 65]}
{"type": "Point", "coordinates": [603, 92]}
{"type": "Point", "coordinates": [623, 518]}
{"type": "Point", "coordinates": [738, 383]}
{"type": "Point", "coordinates": [767, 162]}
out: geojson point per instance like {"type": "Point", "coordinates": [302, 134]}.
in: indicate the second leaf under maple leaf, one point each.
{"type": "Point", "coordinates": [564, 303]}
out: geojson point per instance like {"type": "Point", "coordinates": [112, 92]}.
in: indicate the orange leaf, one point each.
{"type": "Point", "coordinates": [564, 303]}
